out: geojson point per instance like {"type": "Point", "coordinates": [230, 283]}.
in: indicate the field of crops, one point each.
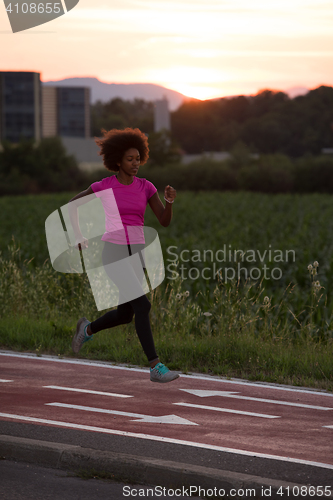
{"type": "Point", "coordinates": [250, 325]}
{"type": "Point", "coordinates": [280, 236]}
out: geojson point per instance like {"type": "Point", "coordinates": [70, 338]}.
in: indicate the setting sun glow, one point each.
{"type": "Point", "coordinates": [201, 49]}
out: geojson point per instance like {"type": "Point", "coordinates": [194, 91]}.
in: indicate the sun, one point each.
{"type": "Point", "coordinates": [196, 91]}
{"type": "Point", "coordinates": [191, 81]}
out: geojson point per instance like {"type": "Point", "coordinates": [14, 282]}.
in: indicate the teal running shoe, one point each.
{"type": "Point", "coordinates": [160, 373]}
{"type": "Point", "coordinates": [81, 335]}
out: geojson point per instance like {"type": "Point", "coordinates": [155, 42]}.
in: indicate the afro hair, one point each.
{"type": "Point", "coordinates": [114, 144]}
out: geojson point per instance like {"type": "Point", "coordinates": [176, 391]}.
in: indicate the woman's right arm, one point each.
{"type": "Point", "coordinates": [73, 205]}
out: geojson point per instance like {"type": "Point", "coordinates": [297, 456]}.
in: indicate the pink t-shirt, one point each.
{"type": "Point", "coordinates": [124, 208]}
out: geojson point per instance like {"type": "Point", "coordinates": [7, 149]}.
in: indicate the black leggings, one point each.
{"type": "Point", "coordinates": [126, 309]}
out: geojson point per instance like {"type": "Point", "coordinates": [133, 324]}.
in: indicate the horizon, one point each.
{"type": "Point", "coordinates": [294, 91]}
{"type": "Point", "coordinates": [203, 50]}
{"type": "Point", "coordinates": [295, 87]}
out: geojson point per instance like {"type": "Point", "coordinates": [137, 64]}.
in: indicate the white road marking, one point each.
{"type": "Point", "coordinates": [137, 417]}
{"type": "Point", "coordinates": [226, 410]}
{"type": "Point", "coordinates": [4, 380]}
{"type": "Point", "coordinates": [165, 440]}
{"type": "Point", "coordinates": [206, 394]}
{"type": "Point", "coordinates": [87, 391]}
{"type": "Point", "coordinates": [328, 426]}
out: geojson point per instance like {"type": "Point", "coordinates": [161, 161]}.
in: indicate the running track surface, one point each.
{"type": "Point", "coordinates": [247, 418]}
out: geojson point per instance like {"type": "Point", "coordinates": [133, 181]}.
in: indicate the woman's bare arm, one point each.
{"type": "Point", "coordinates": [163, 213]}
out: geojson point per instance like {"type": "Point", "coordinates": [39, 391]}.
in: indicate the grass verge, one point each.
{"type": "Point", "coordinates": [236, 333]}
{"type": "Point", "coordinates": [246, 356]}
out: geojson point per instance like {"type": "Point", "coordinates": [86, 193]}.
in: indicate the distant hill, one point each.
{"type": "Point", "coordinates": [148, 91]}
{"type": "Point", "coordinates": [128, 91]}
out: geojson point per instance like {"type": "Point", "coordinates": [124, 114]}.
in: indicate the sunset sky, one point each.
{"type": "Point", "coordinates": [202, 49]}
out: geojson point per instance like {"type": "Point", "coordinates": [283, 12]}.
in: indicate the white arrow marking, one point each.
{"type": "Point", "coordinates": [226, 410]}
{"type": "Point", "coordinates": [206, 394]}
{"type": "Point", "coordinates": [166, 419]}
{"type": "Point", "coordinates": [4, 380]}
{"type": "Point", "coordinates": [87, 391]}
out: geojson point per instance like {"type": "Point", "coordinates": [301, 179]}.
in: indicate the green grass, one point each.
{"type": "Point", "coordinates": [243, 337]}
{"type": "Point", "coordinates": [286, 338]}
{"type": "Point", "coordinates": [23, 217]}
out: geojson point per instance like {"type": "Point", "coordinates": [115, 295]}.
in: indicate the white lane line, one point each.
{"type": "Point", "coordinates": [328, 426]}
{"type": "Point", "coordinates": [226, 410]}
{"type": "Point", "coordinates": [165, 440]}
{"type": "Point", "coordinates": [207, 378]}
{"type": "Point", "coordinates": [87, 391]}
{"type": "Point", "coordinates": [4, 380]}
{"type": "Point", "coordinates": [206, 394]}
{"type": "Point", "coordinates": [165, 419]}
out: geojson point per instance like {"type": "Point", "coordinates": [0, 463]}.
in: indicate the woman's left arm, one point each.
{"type": "Point", "coordinates": [163, 213]}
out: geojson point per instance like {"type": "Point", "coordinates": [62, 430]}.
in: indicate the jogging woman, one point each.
{"type": "Point", "coordinates": [123, 151]}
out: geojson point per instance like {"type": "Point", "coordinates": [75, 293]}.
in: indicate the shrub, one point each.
{"type": "Point", "coordinates": [29, 168]}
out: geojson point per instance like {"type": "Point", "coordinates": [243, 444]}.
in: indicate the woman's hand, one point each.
{"type": "Point", "coordinates": [170, 194]}
{"type": "Point", "coordinates": [81, 243]}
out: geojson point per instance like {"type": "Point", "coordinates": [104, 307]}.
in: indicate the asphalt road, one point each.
{"type": "Point", "coordinates": [273, 432]}
{"type": "Point", "coordinates": [20, 481]}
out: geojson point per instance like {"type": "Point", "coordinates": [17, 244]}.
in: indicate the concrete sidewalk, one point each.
{"type": "Point", "coordinates": [140, 470]}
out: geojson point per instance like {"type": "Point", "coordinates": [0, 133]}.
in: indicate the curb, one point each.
{"type": "Point", "coordinates": [132, 468]}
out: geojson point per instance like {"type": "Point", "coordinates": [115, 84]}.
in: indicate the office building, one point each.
{"type": "Point", "coordinates": [20, 106]}
{"type": "Point", "coordinates": [161, 115]}
{"type": "Point", "coordinates": [66, 111]}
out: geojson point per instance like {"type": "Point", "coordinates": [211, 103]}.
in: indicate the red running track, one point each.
{"type": "Point", "coordinates": [247, 418]}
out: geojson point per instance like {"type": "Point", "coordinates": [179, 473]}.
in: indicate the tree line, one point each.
{"type": "Point", "coordinates": [273, 173]}
{"type": "Point", "coordinates": [289, 135]}
{"type": "Point", "coordinates": [268, 122]}
{"type": "Point", "coordinates": [29, 168]}
{"type": "Point", "coordinates": [43, 167]}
